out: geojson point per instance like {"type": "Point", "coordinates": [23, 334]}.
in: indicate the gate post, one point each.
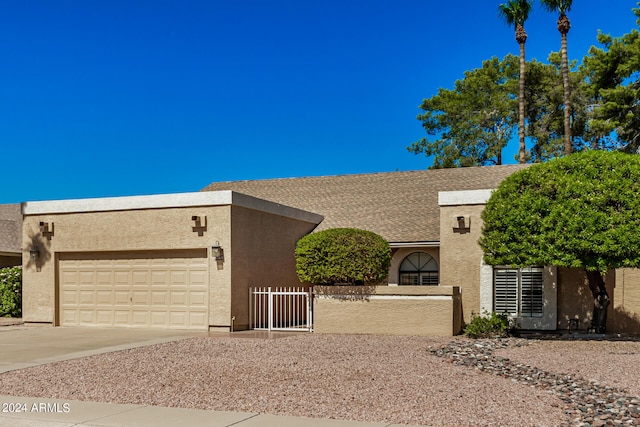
{"type": "Point", "coordinates": [270, 310]}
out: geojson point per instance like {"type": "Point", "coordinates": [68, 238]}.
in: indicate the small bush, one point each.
{"type": "Point", "coordinates": [489, 325]}
{"type": "Point", "coordinates": [343, 256]}
{"type": "Point", "coordinates": [11, 292]}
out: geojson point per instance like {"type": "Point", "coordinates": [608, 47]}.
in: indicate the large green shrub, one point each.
{"type": "Point", "coordinates": [343, 256]}
{"type": "Point", "coordinates": [11, 292]}
{"type": "Point", "coordinates": [579, 211]}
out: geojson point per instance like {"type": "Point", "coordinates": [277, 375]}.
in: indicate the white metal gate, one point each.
{"type": "Point", "coordinates": [280, 309]}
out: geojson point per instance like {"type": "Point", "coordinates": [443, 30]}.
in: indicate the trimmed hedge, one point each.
{"type": "Point", "coordinates": [11, 292]}
{"type": "Point", "coordinates": [346, 256]}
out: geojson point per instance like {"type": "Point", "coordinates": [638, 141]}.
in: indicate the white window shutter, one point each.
{"type": "Point", "coordinates": [506, 291]}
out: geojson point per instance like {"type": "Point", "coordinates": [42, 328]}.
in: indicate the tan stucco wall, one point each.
{"type": "Point", "coordinates": [262, 254]}
{"type": "Point", "coordinates": [131, 230]}
{"type": "Point", "coordinates": [402, 310]}
{"type": "Point", "coordinates": [624, 316]}
{"type": "Point", "coordinates": [460, 255]}
{"type": "Point", "coordinates": [575, 300]}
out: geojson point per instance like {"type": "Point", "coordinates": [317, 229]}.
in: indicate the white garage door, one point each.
{"type": "Point", "coordinates": [139, 289]}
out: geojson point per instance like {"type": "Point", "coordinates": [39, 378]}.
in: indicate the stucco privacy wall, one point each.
{"type": "Point", "coordinates": [625, 316]}
{"type": "Point", "coordinates": [460, 254]}
{"type": "Point", "coordinates": [393, 310]}
{"type": "Point", "coordinates": [575, 300]}
{"type": "Point", "coordinates": [147, 223]}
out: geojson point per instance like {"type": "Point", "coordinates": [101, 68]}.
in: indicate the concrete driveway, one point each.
{"type": "Point", "coordinates": [26, 346]}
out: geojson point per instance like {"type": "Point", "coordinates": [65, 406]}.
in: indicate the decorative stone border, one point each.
{"type": "Point", "coordinates": [588, 402]}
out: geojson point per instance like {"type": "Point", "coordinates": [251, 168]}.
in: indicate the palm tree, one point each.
{"type": "Point", "coordinates": [562, 7]}
{"type": "Point", "coordinates": [515, 13]}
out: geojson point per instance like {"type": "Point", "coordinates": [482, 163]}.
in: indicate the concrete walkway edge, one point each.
{"type": "Point", "coordinates": [34, 411]}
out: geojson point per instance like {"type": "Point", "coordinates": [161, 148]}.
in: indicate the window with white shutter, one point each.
{"type": "Point", "coordinates": [518, 291]}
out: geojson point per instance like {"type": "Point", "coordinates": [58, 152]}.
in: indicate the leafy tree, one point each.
{"type": "Point", "coordinates": [515, 13]}
{"type": "Point", "coordinates": [579, 211]}
{"type": "Point", "coordinates": [472, 123]}
{"type": "Point", "coordinates": [613, 76]}
{"type": "Point", "coordinates": [343, 256]}
{"type": "Point", "coordinates": [564, 25]}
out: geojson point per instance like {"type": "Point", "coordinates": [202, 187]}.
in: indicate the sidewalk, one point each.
{"type": "Point", "coordinates": [35, 411]}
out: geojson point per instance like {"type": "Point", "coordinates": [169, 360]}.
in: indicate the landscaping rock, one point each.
{"type": "Point", "coordinates": [589, 403]}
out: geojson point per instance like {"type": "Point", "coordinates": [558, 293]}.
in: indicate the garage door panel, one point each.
{"type": "Point", "coordinates": [197, 298]}
{"type": "Point", "coordinates": [104, 277]}
{"type": "Point", "coordinates": [104, 297]}
{"type": "Point", "coordinates": [134, 289]}
{"type": "Point", "coordinates": [198, 320]}
{"type": "Point", "coordinates": [178, 319]}
{"type": "Point", "coordinates": [122, 317]}
{"type": "Point", "coordinates": [178, 277]}
{"type": "Point", "coordinates": [197, 277]}
{"type": "Point", "coordinates": [141, 278]}
{"type": "Point", "coordinates": [179, 298]}
{"type": "Point", "coordinates": [69, 297]}
{"type": "Point", "coordinates": [86, 277]}
{"type": "Point", "coordinates": [104, 317]}
{"type": "Point", "coordinates": [87, 316]}
{"type": "Point", "coordinates": [159, 318]}
{"type": "Point", "coordinates": [140, 317]}
{"type": "Point", "coordinates": [121, 297]}
{"type": "Point", "coordinates": [121, 278]}
{"type": "Point", "coordinates": [69, 276]}
{"type": "Point", "coordinates": [140, 298]}
{"type": "Point", "coordinates": [159, 277]}
{"type": "Point", "coordinates": [87, 297]}
{"type": "Point", "coordinates": [69, 317]}
{"type": "Point", "coordinates": [160, 298]}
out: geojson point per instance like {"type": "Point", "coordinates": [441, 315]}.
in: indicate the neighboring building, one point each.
{"type": "Point", "coordinates": [10, 235]}
{"type": "Point", "coordinates": [150, 261]}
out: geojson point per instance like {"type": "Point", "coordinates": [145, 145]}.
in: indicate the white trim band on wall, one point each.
{"type": "Point", "coordinates": [464, 197]}
{"type": "Point", "coordinates": [164, 201]}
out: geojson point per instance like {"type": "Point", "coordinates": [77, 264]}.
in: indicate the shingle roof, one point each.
{"type": "Point", "coordinates": [400, 206]}
{"type": "Point", "coordinates": [10, 228]}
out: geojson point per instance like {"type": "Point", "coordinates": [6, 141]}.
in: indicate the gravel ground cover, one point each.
{"type": "Point", "coordinates": [409, 380]}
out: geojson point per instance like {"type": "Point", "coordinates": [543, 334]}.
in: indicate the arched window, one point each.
{"type": "Point", "coordinates": [419, 268]}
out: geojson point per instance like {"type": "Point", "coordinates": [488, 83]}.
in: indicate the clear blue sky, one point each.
{"type": "Point", "coordinates": [108, 98]}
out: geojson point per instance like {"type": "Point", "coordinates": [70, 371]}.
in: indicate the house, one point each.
{"type": "Point", "coordinates": [402, 207]}
{"type": "Point", "coordinates": [10, 235]}
{"type": "Point", "coordinates": [188, 260]}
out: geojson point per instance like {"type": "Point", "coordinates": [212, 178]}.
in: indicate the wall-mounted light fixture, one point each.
{"type": "Point", "coordinates": [217, 252]}
{"type": "Point", "coordinates": [34, 253]}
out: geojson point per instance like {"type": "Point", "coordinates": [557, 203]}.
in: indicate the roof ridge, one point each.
{"type": "Point", "coordinates": [439, 170]}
